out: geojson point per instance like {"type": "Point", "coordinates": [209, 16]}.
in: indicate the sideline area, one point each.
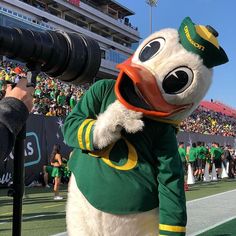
{"type": "Point", "coordinates": [209, 205]}
{"type": "Point", "coordinates": [208, 212]}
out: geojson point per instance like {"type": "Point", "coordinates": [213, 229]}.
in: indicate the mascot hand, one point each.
{"type": "Point", "coordinates": [109, 124]}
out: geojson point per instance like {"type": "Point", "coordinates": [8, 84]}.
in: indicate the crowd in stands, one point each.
{"type": "Point", "coordinates": [209, 122]}
{"type": "Point", "coordinates": [220, 107]}
{"type": "Point", "coordinates": [55, 98]}
{"type": "Point", "coordinates": [51, 97]}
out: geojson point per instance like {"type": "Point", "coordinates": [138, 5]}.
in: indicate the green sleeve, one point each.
{"type": "Point", "coordinates": [207, 153]}
{"type": "Point", "coordinates": [182, 154]}
{"type": "Point", "coordinates": [172, 202]}
{"type": "Point", "coordinates": [78, 126]}
{"type": "Point", "coordinates": [197, 152]}
{"type": "Point", "coordinates": [221, 151]}
{"type": "Point", "coordinates": [212, 151]}
{"type": "Point", "coordinates": [192, 154]}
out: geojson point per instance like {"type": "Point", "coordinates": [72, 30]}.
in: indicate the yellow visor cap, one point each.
{"type": "Point", "coordinates": [207, 35]}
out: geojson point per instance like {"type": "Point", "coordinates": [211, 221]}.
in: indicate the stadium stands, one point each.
{"type": "Point", "coordinates": [219, 107]}
{"type": "Point", "coordinates": [54, 98]}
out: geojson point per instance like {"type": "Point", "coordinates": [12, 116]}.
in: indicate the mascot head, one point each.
{"type": "Point", "coordinates": [170, 72]}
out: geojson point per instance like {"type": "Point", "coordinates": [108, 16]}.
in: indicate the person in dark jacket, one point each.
{"type": "Point", "coordinates": [14, 111]}
{"type": "Point", "coordinates": [227, 158]}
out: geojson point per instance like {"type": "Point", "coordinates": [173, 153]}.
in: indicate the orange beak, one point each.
{"type": "Point", "coordinates": [146, 84]}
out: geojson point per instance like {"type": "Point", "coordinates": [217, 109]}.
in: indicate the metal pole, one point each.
{"type": "Point", "coordinates": [151, 3]}
{"type": "Point", "coordinates": [150, 19]}
{"type": "Point", "coordinates": [18, 182]}
{"type": "Point", "coordinates": [19, 171]}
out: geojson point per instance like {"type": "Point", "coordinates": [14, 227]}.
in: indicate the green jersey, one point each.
{"type": "Point", "coordinates": [201, 152]}
{"type": "Point", "coordinates": [137, 173]}
{"type": "Point", "coordinates": [61, 99]}
{"type": "Point", "coordinates": [2, 83]}
{"type": "Point", "coordinates": [192, 154]}
{"type": "Point", "coordinates": [72, 102]}
{"type": "Point", "coordinates": [182, 154]}
{"type": "Point", "coordinates": [216, 152]}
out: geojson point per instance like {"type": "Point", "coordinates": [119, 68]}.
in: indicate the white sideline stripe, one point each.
{"type": "Point", "coordinates": [213, 226]}
{"type": "Point", "coordinates": [31, 217]}
{"type": "Point", "coordinates": [192, 202]}
{"type": "Point", "coordinates": [218, 194]}
{"type": "Point", "coordinates": [60, 234]}
{"type": "Point", "coordinates": [207, 212]}
{"type": "Point", "coordinates": [2, 223]}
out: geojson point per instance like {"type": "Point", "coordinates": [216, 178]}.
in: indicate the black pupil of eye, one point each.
{"type": "Point", "coordinates": [175, 82]}
{"type": "Point", "coordinates": [149, 51]}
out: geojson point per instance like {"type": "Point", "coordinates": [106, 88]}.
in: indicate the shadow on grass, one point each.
{"type": "Point", "coordinates": [44, 216]}
{"type": "Point", "coordinates": [35, 190]}
{"type": "Point", "coordinates": [203, 186]}
{"type": "Point", "coordinates": [31, 200]}
{"type": "Point", "coordinates": [40, 200]}
{"type": "Point", "coordinates": [34, 195]}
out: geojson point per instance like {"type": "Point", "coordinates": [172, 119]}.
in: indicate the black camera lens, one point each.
{"type": "Point", "coordinates": [70, 57]}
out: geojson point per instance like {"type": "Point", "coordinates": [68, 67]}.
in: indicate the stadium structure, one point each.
{"type": "Point", "coordinates": [220, 107]}
{"type": "Point", "coordinates": [106, 21]}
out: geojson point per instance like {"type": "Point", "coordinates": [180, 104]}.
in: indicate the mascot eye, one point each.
{"type": "Point", "coordinates": [177, 80]}
{"type": "Point", "coordinates": [151, 49]}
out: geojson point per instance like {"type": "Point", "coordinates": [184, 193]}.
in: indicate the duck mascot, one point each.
{"type": "Point", "coordinates": [127, 174]}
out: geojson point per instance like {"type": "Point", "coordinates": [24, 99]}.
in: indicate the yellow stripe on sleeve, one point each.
{"type": "Point", "coordinates": [80, 132]}
{"type": "Point", "coordinates": [87, 135]}
{"type": "Point", "coordinates": [172, 228]}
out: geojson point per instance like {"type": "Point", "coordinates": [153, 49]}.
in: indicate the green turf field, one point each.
{"type": "Point", "coordinates": [226, 229]}
{"type": "Point", "coordinates": [43, 216]}
{"type": "Point", "coordinates": [202, 189]}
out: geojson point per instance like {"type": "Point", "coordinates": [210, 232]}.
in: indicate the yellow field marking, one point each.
{"type": "Point", "coordinates": [8, 213]}
{"type": "Point", "coordinates": [5, 214]}
{"type": "Point", "coordinates": [53, 205]}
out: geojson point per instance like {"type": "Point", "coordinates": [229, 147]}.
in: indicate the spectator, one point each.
{"type": "Point", "coordinates": [56, 162]}
{"type": "Point", "coordinates": [228, 159]}
{"type": "Point", "coordinates": [216, 157]}
{"type": "Point", "coordinates": [47, 174]}
{"type": "Point", "coordinates": [51, 112]}
{"type": "Point", "coordinates": [193, 159]}
{"type": "Point", "coordinates": [200, 161]}
{"type": "Point", "coordinates": [3, 87]}
{"type": "Point", "coordinates": [14, 111]}
{"type": "Point", "coordinates": [61, 99]}
{"type": "Point", "coordinates": [73, 101]}
{"type": "Point", "coordinates": [183, 156]}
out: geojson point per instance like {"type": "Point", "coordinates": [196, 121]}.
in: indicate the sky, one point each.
{"type": "Point", "coordinates": [221, 14]}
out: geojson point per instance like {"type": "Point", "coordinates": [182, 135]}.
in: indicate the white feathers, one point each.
{"type": "Point", "coordinates": [171, 56]}
{"type": "Point", "coordinates": [110, 123]}
{"type": "Point", "coordinates": [85, 220]}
